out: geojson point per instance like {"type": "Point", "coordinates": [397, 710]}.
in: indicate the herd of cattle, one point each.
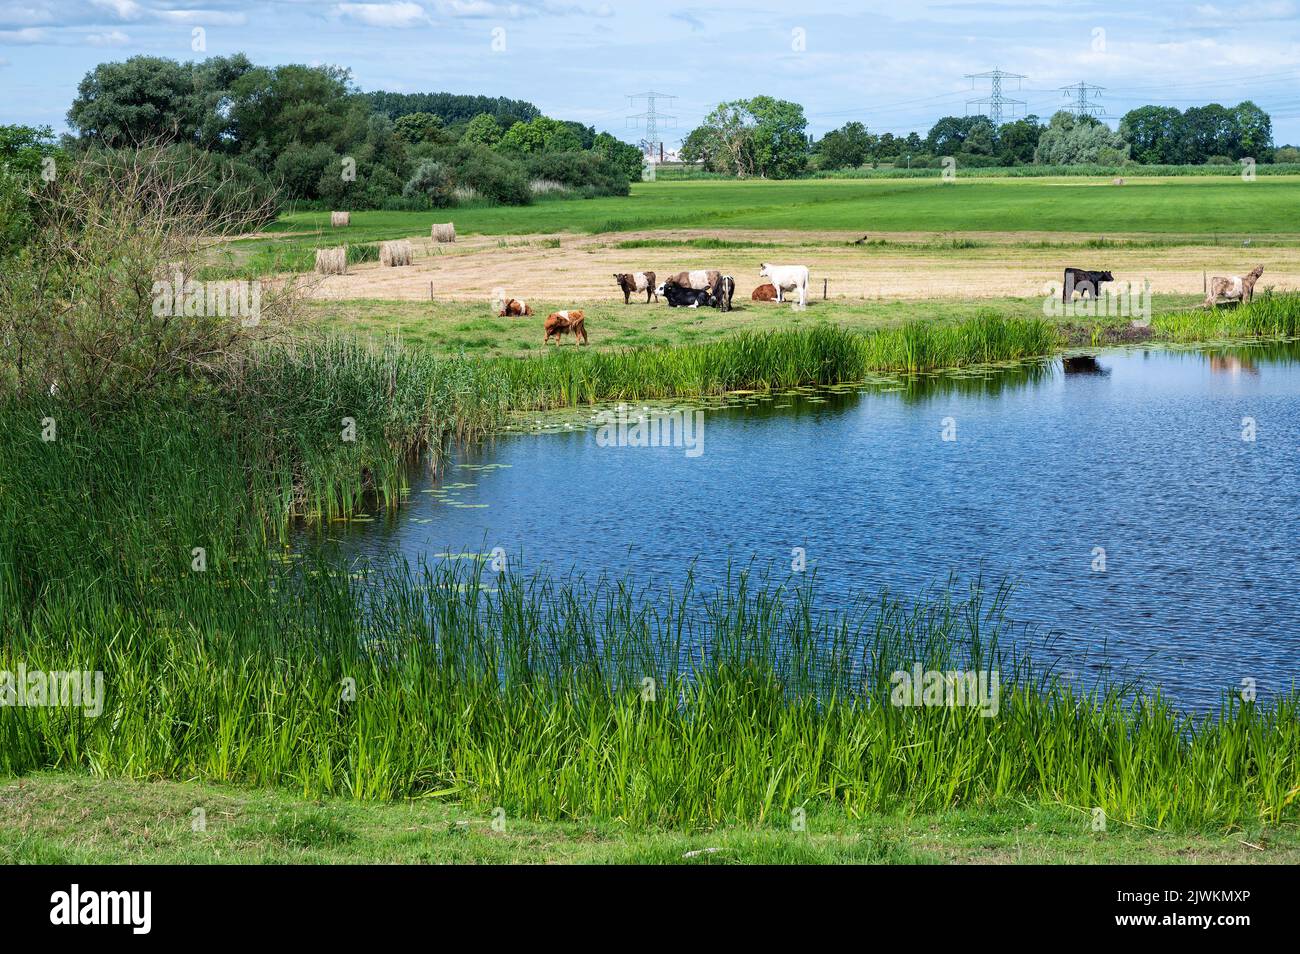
{"type": "Point", "coordinates": [1239, 288]}
{"type": "Point", "coordinates": [709, 287]}
{"type": "Point", "coordinates": [690, 289]}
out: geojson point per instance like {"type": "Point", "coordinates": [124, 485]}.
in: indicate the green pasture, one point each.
{"type": "Point", "coordinates": [1200, 206]}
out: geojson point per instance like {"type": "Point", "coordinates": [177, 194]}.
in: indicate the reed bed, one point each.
{"type": "Point", "coordinates": [1270, 315]}
{"type": "Point", "coordinates": [822, 355]}
{"type": "Point", "coordinates": [530, 694]}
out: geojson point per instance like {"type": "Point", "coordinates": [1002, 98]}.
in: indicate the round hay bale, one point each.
{"type": "Point", "coordinates": [445, 232]}
{"type": "Point", "coordinates": [332, 261]}
{"type": "Point", "coordinates": [395, 254]}
{"type": "Point", "coordinates": [340, 219]}
{"type": "Point", "coordinates": [1117, 181]}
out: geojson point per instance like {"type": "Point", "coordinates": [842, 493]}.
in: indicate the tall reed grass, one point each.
{"type": "Point", "coordinates": [821, 355]}
{"type": "Point", "coordinates": [531, 694]}
{"type": "Point", "coordinates": [1270, 315]}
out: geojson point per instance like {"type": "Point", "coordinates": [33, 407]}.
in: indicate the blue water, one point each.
{"type": "Point", "coordinates": [1140, 453]}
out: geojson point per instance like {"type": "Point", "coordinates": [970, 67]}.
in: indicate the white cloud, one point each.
{"type": "Point", "coordinates": [25, 35]}
{"type": "Point", "coordinates": [202, 17]}
{"type": "Point", "coordinates": [383, 14]}
{"type": "Point", "coordinates": [125, 9]}
{"type": "Point", "coordinates": [111, 38]}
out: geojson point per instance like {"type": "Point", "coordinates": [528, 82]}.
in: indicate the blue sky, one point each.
{"type": "Point", "coordinates": [896, 66]}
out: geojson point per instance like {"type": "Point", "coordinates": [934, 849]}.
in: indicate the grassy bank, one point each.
{"type": "Point", "coordinates": [57, 818]}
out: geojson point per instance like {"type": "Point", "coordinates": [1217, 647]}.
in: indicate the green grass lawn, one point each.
{"type": "Point", "coordinates": [71, 819]}
{"type": "Point", "coordinates": [470, 327]}
{"type": "Point", "coordinates": [1193, 206]}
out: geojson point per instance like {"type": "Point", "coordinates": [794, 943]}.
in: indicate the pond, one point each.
{"type": "Point", "coordinates": [1144, 503]}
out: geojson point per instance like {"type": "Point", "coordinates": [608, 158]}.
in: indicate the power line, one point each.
{"type": "Point", "coordinates": [652, 144]}
{"type": "Point", "coordinates": [1086, 101]}
{"type": "Point", "coordinates": [995, 101]}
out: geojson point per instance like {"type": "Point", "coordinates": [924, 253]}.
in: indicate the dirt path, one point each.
{"type": "Point", "coordinates": [907, 266]}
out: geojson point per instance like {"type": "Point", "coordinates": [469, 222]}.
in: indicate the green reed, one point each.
{"type": "Point", "coordinates": [820, 355]}
{"type": "Point", "coordinates": [532, 694]}
{"type": "Point", "coordinates": [1268, 316]}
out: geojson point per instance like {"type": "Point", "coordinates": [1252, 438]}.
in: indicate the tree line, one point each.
{"type": "Point", "coordinates": [312, 137]}
{"type": "Point", "coordinates": [767, 137]}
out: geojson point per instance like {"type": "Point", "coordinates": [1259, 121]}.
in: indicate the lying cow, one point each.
{"type": "Point", "coordinates": [787, 278]}
{"type": "Point", "coordinates": [1239, 288]}
{"type": "Point", "coordinates": [682, 296]}
{"type": "Point", "coordinates": [564, 323]}
{"type": "Point", "coordinates": [1086, 283]}
{"type": "Point", "coordinates": [514, 307]}
{"type": "Point", "coordinates": [722, 291]}
{"type": "Point", "coordinates": [764, 293]}
{"type": "Point", "coordinates": [637, 282]}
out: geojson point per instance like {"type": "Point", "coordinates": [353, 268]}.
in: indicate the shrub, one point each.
{"type": "Point", "coordinates": [431, 181]}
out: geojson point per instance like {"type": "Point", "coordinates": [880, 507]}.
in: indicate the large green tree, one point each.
{"type": "Point", "coordinates": [762, 136]}
{"type": "Point", "coordinates": [844, 148]}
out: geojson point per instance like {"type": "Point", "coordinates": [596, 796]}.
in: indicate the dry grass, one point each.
{"type": "Point", "coordinates": [909, 267]}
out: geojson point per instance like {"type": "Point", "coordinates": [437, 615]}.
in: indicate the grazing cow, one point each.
{"type": "Point", "coordinates": [1084, 282]}
{"type": "Point", "coordinates": [722, 291]}
{"type": "Point", "coordinates": [681, 296]}
{"type": "Point", "coordinates": [764, 293]}
{"type": "Point", "coordinates": [564, 323]}
{"type": "Point", "coordinates": [787, 278]}
{"type": "Point", "coordinates": [1239, 288]}
{"type": "Point", "coordinates": [514, 307]}
{"type": "Point", "coordinates": [631, 282]}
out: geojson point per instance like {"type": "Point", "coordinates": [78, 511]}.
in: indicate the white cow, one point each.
{"type": "Point", "coordinates": [787, 278]}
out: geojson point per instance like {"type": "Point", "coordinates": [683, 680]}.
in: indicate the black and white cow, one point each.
{"type": "Point", "coordinates": [679, 296]}
{"type": "Point", "coordinates": [722, 291]}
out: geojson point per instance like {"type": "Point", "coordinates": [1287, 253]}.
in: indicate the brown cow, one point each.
{"type": "Point", "coordinates": [563, 323]}
{"type": "Point", "coordinates": [631, 282]}
{"type": "Point", "coordinates": [1239, 288]}
{"type": "Point", "coordinates": [764, 293]}
{"type": "Point", "coordinates": [513, 307]}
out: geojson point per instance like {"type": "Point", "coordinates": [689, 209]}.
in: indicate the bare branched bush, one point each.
{"type": "Point", "coordinates": [105, 302]}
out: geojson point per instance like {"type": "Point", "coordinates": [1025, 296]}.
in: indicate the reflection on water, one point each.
{"type": "Point", "coordinates": [1142, 460]}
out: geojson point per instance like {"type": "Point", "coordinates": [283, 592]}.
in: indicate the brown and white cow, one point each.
{"type": "Point", "coordinates": [1240, 288]}
{"type": "Point", "coordinates": [764, 293]}
{"type": "Point", "coordinates": [565, 323]}
{"type": "Point", "coordinates": [631, 282]}
{"type": "Point", "coordinates": [514, 307]}
{"type": "Point", "coordinates": [700, 279]}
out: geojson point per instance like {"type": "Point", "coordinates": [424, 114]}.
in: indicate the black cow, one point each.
{"type": "Point", "coordinates": [1084, 282]}
{"type": "Point", "coordinates": [679, 296]}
